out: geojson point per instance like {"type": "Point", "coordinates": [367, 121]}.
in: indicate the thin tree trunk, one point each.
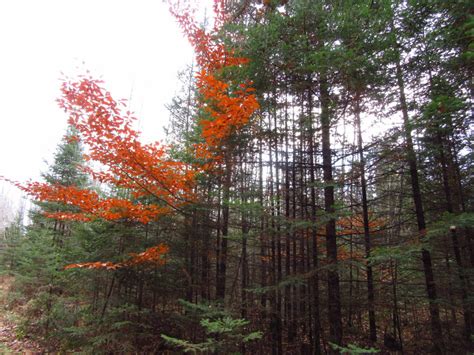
{"type": "Point", "coordinates": [365, 213]}
{"type": "Point", "coordinates": [334, 301]}
{"type": "Point", "coordinates": [221, 276]}
{"type": "Point", "coordinates": [464, 292]}
{"type": "Point", "coordinates": [436, 331]}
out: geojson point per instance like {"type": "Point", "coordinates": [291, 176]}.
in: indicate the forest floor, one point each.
{"type": "Point", "coordinates": [10, 342]}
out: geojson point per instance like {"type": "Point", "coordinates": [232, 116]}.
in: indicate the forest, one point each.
{"type": "Point", "coordinates": [314, 193]}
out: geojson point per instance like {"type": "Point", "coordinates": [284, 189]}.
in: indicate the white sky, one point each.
{"type": "Point", "coordinates": [134, 45]}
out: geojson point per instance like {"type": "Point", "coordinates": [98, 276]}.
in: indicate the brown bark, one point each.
{"type": "Point", "coordinates": [334, 301]}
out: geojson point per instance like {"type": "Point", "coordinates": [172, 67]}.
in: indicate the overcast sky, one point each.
{"type": "Point", "coordinates": [134, 45]}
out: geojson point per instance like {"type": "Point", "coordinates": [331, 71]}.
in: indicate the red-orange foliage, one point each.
{"type": "Point", "coordinates": [107, 131]}
{"type": "Point", "coordinates": [355, 224]}
{"type": "Point", "coordinates": [146, 170]}
{"type": "Point", "coordinates": [227, 103]}
{"type": "Point", "coordinates": [90, 204]}
{"type": "Point", "coordinates": [151, 256]}
{"type": "Point", "coordinates": [142, 169]}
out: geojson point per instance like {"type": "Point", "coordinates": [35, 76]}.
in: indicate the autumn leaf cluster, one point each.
{"type": "Point", "coordinates": [155, 183]}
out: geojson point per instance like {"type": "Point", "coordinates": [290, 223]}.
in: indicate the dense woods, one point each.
{"type": "Point", "coordinates": [314, 194]}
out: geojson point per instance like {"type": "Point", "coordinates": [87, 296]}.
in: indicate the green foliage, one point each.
{"type": "Point", "coordinates": [106, 335]}
{"type": "Point", "coordinates": [222, 332]}
{"type": "Point", "coordinates": [223, 325]}
{"type": "Point", "coordinates": [12, 236]}
{"type": "Point", "coordinates": [189, 347]}
{"type": "Point", "coordinates": [402, 253]}
{"type": "Point", "coordinates": [296, 280]}
{"type": "Point", "coordinates": [353, 349]}
{"type": "Point", "coordinates": [443, 225]}
{"type": "Point", "coordinates": [68, 159]}
{"type": "Point", "coordinates": [200, 310]}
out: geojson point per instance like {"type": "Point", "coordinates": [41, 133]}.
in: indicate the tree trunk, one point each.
{"type": "Point", "coordinates": [436, 332]}
{"type": "Point", "coordinates": [222, 261]}
{"type": "Point", "coordinates": [365, 213]}
{"type": "Point", "coordinates": [334, 302]}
